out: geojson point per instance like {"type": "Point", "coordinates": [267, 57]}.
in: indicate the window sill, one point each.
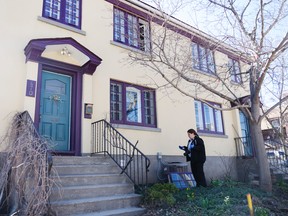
{"type": "Point", "coordinates": [204, 72]}
{"type": "Point", "coordinates": [132, 127]}
{"type": "Point", "coordinates": [212, 135]}
{"type": "Point", "coordinates": [128, 47]}
{"type": "Point", "coordinates": [236, 83]}
{"type": "Point", "coordinates": [61, 25]}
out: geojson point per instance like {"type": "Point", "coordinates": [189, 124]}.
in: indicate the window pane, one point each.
{"type": "Point", "coordinates": [234, 69]}
{"type": "Point", "coordinates": [116, 102]}
{"type": "Point", "coordinates": [133, 105]}
{"type": "Point", "coordinates": [55, 86]}
{"type": "Point", "coordinates": [199, 116]}
{"type": "Point", "coordinates": [52, 9]}
{"type": "Point", "coordinates": [202, 59]}
{"type": "Point", "coordinates": [149, 108]}
{"type": "Point", "coordinates": [119, 25]}
{"type": "Point", "coordinates": [218, 117]}
{"type": "Point", "coordinates": [72, 13]}
{"type": "Point", "coordinates": [144, 40]}
{"type": "Point", "coordinates": [237, 72]}
{"type": "Point", "coordinates": [132, 30]}
{"type": "Point", "coordinates": [209, 118]}
{"type": "Point", "coordinates": [195, 56]}
{"type": "Point", "coordinates": [210, 62]}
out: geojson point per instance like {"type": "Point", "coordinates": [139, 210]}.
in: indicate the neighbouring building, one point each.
{"type": "Point", "coordinates": [65, 62]}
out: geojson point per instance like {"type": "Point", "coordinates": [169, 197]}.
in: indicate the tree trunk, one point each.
{"type": "Point", "coordinates": [259, 147]}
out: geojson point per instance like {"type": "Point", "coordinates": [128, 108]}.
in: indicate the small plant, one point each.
{"type": "Point", "coordinates": [283, 186]}
{"type": "Point", "coordinates": [260, 211]}
{"type": "Point", "coordinates": [227, 200]}
{"type": "Point", "coordinates": [161, 195]}
{"type": "Point", "coordinates": [204, 202]}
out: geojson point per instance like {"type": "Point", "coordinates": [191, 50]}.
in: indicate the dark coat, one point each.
{"type": "Point", "coordinates": [198, 154]}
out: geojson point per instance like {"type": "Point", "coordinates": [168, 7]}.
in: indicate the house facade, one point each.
{"type": "Point", "coordinates": [66, 63]}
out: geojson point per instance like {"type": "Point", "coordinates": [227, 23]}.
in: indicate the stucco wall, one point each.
{"type": "Point", "coordinates": [175, 113]}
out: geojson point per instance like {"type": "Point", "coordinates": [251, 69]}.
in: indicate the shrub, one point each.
{"type": "Point", "coordinates": [161, 195]}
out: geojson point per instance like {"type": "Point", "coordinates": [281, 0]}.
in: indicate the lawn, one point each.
{"type": "Point", "coordinates": [220, 198]}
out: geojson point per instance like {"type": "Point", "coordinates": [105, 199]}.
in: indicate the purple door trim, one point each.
{"type": "Point", "coordinates": [33, 52]}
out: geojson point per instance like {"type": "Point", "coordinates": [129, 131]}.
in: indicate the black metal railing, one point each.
{"type": "Point", "coordinates": [106, 139]}
{"type": "Point", "coordinates": [244, 147]}
{"type": "Point", "coordinates": [275, 150]}
{"type": "Point", "coordinates": [277, 155]}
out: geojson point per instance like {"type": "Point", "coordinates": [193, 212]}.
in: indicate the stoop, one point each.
{"type": "Point", "coordinates": [92, 186]}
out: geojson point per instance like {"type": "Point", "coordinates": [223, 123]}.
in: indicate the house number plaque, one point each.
{"type": "Point", "coordinates": [30, 88]}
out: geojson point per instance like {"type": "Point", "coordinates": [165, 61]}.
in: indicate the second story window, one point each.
{"type": "Point", "coordinates": [203, 59]}
{"type": "Point", "coordinates": [234, 70]}
{"type": "Point", "coordinates": [65, 11]}
{"type": "Point", "coordinates": [131, 30]}
{"type": "Point", "coordinates": [208, 119]}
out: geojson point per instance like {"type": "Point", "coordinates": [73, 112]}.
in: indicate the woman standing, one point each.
{"type": "Point", "coordinates": [195, 153]}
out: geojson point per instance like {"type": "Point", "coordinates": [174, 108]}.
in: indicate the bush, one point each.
{"type": "Point", "coordinates": [160, 195]}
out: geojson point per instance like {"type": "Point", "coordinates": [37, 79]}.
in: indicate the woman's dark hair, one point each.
{"type": "Point", "coordinates": [192, 131]}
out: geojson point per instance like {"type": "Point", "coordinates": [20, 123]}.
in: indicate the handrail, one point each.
{"type": "Point", "coordinates": [275, 150]}
{"type": "Point", "coordinates": [244, 147]}
{"type": "Point", "coordinates": [277, 155]}
{"type": "Point", "coordinates": [106, 139]}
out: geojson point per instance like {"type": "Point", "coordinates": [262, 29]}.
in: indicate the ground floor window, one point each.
{"type": "Point", "coordinates": [208, 117]}
{"type": "Point", "coordinates": [132, 104]}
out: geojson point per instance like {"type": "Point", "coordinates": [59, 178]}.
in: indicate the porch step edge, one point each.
{"type": "Point", "coordinates": [119, 212]}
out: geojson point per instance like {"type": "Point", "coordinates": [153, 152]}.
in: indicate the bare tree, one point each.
{"type": "Point", "coordinates": [253, 34]}
{"type": "Point", "coordinates": [277, 87]}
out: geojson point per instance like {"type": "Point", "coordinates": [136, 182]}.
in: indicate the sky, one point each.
{"type": "Point", "coordinates": [209, 21]}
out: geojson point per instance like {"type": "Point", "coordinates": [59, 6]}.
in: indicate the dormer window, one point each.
{"type": "Point", "coordinates": [67, 12]}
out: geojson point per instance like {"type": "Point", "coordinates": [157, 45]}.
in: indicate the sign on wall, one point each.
{"type": "Point", "coordinates": [30, 88]}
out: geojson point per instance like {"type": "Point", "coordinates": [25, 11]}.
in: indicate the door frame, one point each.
{"type": "Point", "coordinates": [35, 51]}
{"type": "Point", "coordinates": [76, 101]}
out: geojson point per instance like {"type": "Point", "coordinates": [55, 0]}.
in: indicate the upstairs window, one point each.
{"type": "Point", "coordinates": [234, 70]}
{"type": "Point", "coordinates": [131, 30]}
{"type": "Point", "coordinates": [67, 12]}
{"type": "Point", "coordinates": [208, 119]}
{"type": "Point", "coordinates": [203, 59]}
{"type": "Point", "coordinates": [132, 105]}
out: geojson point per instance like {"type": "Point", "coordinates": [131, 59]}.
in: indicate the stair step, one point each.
{"type": "Point", "coordinates": [58, 160]}
{"type": "Point", "coordinates": [133, 211]}
{"type": "Point", "coordinates": [88, 205]}
{"type": "Point", "coordinates": [84, 169]}
{"type": "Point", "coordinates": [89, 179]}
{"type": "Point", "coordinates": [92, 186]}
{"type": "Point", "coordinates": [88, 191]}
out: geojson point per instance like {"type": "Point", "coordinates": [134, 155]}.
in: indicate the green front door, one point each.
{"type": "Point", "coordinates": [55, 110]}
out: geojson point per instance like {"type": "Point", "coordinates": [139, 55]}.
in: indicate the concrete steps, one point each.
{"type": "Point", "coordinates": [91, 186]}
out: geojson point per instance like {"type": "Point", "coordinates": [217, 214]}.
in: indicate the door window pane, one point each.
{"type": "Point", "coordinates": [55, 86]}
